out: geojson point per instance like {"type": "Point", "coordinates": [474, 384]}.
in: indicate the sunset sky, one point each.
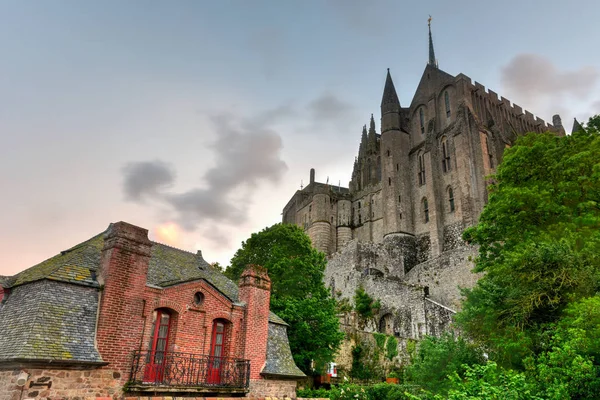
{"type": "Point", "coordinates": [199, 119]}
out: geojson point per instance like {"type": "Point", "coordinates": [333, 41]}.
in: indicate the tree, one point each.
{"type": "Point", "coordinates": [298, 294]}
{"type": "Point", "coordinates": [539, 238]}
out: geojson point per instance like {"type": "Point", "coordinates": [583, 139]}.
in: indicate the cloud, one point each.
{"type": "Point", "coordinates": [329, 107]}
{"type": "Point", "coordinates": [247, 152]}
{"type": "Point", "coordinates": [147, 178]}
{"type": "Point", "coordinates": [534, 81]}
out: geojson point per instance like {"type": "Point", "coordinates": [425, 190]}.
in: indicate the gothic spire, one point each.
{"type": "Point", "coordinates": [372, 126]}
{"type": "Point", "coordinates": [363, 141]}
{"type": "Point", "coordinates": [432, 60]}
{"type": "Point", "coordinates": [389, 92]}
{"type": "Point", "coordinates": [577, 126]}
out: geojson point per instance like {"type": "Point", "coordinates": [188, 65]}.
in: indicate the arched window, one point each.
{"type": "Point", "coordinates": [218, 350]}
{"type": "Point", "coordinates": [422, 120]}
{"type": "Point", "coordinates": [447, 102]}
{"type": "Point", "coordinates": [425, 210]}
{"type": "Point", "coordinates": [445, 155]}
{"type": "Point", "coordinates": [451, 199]}
{"type": "Point", "coordinates": [421, 173]}
{"type": "Point", "coordinates": [386, 324]}
{"type": "Point", "coordinates": [158, 346]}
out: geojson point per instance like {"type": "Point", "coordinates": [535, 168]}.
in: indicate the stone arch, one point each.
{"type": "Point", "coordinates": [386, 324]}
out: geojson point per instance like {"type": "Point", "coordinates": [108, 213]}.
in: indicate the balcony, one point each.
{"type": "Point", "coordinates": [184, 372]}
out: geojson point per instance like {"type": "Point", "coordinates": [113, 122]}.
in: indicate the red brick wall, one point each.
{"type": "Point", "coordinates": [255, 290]}
{"type": "Point", "coordinates": [123, 270]}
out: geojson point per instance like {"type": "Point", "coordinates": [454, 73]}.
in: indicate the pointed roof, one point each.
{"type": "Point", "coordinates": [389, 92]}
{"type": "Point", "coordinates": [372, 125]}
{"type": "Point", "coordinates": [432, 60]}
{"type": "Point", "coordinates": [576, 126]}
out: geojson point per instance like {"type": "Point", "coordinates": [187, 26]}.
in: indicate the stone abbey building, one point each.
{"type": "Point", "coordinates": [416, 185]}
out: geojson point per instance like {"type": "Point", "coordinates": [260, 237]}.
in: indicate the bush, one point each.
{"type": "Point", "coordinates": [309, 393]}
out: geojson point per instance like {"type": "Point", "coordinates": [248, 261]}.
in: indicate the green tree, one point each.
{"type": "Point", "coordinates": [538, 240]}
{"type": "Point", "coordinates": [298, 294]}
{"type": "Point", "coordinates": [438, 358]}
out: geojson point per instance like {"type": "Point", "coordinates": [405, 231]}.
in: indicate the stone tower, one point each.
{"type": "Point", "coordinates": [415, 186]}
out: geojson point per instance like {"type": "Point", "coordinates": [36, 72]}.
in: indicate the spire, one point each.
{"type": "Point", "coordinates": [372, 126]}
{"type": "Point", "coordinates": [432, 60]}
{"type": "Point", "coordinates": [389, 92]}
{"type": "Point", "coordinates": [363, 141]}
{"type": "Point", "coordinates": [576, 126]}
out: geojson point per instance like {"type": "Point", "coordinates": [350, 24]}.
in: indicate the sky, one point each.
{"type": "Point", "coordinates": [198, 120]}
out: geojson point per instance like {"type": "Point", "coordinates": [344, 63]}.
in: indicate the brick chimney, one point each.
{"type": "Point", "coordinates": [123, 272]}
{"type": "Point", "coordinates": [255, 291]}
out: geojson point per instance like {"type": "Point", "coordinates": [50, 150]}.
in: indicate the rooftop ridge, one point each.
{"type": "Point", "coordinates": [173, 247]}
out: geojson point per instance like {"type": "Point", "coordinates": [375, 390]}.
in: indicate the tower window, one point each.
{"type": "Point", "coordinates": [389, 181]}
{"type": "Point", "coordinates": [422, 120]}
{"type": "Point", "coordinates": [397, 167]}
{"type": "Point", "coordinates": [451, 199]}
{"type": "Point", "coordinates": [388, 152]}
{"type": "Point", "coordinates": [445, 156]}
{"type": "Point", "coordinates": [447, 102]}
{"type": "Point", "coordinates": [399, 199]}
{"type": "Point", "coordinates": [421, 170]}
{"type": "Point", "coordinates": [425, 210]}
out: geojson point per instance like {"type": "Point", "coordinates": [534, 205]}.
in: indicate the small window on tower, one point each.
{"type": "Point", "coordinates": [425, 210]}
{"type": "Point", "coordinates": [422, 120]}
{"type": "Point", "coordinates": [447, 102]}
{"type": "Point", "coordinates": [388, 152]}
{"type": "Point", "coordinates": [389, 181]}
{"type": "Point", "coordinates": [421, 173]}
{"type": "Point", "coordinates": [397, 167]}
{"type": "Point", "coordinates": [451, 199]}
{"type": "Point", "coordinates": [399, 199]}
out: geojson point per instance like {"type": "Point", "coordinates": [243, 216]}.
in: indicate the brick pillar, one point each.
{"type": "Point", "coordinates": [255, 290]}
{"type": "Point", "coordinates": [123, 271]}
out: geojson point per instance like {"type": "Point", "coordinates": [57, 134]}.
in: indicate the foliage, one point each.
{"type": "Point", "coordinates": [437, 358]}
{"type": "Point", "coordinates": [489, 382]}
{"type": "Point", "coordinates": [344, 306]}
{"type": "Point", "coordinates": [216, 265]}
{"type": "Point", "coordinates": [380, 339]}
{"type": "Point", "coordinates": [378, 391]}
{"type": "Point", "coordinates": [391, 348]}
{"type": "Point", "coordinates": [364, 304]}
{"type": "Point", "coordinates": [539, 238]}
{"type": "Point", "coordinates": [298, 294]}
{"type": "Point", "coordinates": [569, 367]}
{"type": "Point", "coordinates": [308, 393]}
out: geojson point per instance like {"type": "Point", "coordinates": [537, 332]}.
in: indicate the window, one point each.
{"type": "Point", "coordinates": [422, 120]}
{"type": "Point", "coordinates": [445, 155]}
{"type": "Point", "coordinates": [421, 170]}
{"type": "Point", "coordinates": [218, 350]}
{"type": "Point", "coordinates": [487, 146]}
{"type": "Point", "coordinates": [389, 181]}
{"type": "Point", "coordinates": [397, 167]}
{"type": "Point", "coordinates": [159, 343]}
{"type": "Point", "coordinates": [451, 199]}
{"type": "Point", "coordinates": [198, 298]}
{"type": "Point", "coordinates": [447, 102]}
{"type": "Point", "coordinates": [425, 210]}
{"type": "Point", "coordinates": [388, 152]}
{"type": "Point", "coordinates": [399, 199]}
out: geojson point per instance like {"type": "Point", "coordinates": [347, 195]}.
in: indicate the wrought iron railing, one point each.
{"type": "Point", "coordinates": [188, 370]}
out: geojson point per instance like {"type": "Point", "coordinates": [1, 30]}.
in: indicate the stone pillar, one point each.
{"type": "Point", "coordinates": [255, 291]}
{"type": "Point", "coordinates": [123, 272]}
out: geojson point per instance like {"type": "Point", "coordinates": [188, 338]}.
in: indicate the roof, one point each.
{"type": "Point", "coordinates": [279, 356]}
{"type": "Point", "coordinates": [168, 266]}
{"type": "Point", "coordinates": [49, 321]}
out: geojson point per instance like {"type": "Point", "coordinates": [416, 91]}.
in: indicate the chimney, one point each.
{"type": "Point", "coordinates": [123, 272]}
{"type": "Point", "coordinates": [312, 175]}
{"type": "Point", "coordinates": [255, 291]}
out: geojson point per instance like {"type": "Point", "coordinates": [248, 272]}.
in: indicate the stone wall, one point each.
{"type": "Point", "coordinates": [444, 275]}
{"type": "Point", "coordinates": [273, 388]}
{"type": "Point", "coordinates": [65, 384]}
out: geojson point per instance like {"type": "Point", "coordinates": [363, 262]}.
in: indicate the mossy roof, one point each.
{"type": "Point", "coordinates": [168, 266]}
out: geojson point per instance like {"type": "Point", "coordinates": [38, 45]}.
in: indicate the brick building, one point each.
{"type": "Point", "coordinates": [119, 315]}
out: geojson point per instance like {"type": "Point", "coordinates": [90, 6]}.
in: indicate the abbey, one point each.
{"type": "Point", "coordinates": [416, 185]}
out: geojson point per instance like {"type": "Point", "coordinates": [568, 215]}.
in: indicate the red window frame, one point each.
{"type": "Point", "coordinates": [157, 356]}
{"type": "Point", "coordinates": [218, 350]}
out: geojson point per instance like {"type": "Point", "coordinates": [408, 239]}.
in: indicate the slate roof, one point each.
{"type": "Point", "coordinates": [52, 308]}
{"type": "Point", "coordinates": [279, 356]}
{"type": "Point", "coordinates": [48, 320]}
